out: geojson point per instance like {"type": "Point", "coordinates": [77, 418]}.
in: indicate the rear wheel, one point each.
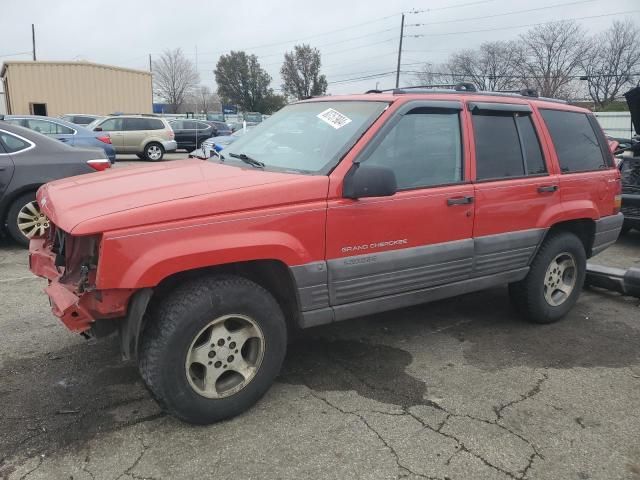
{"type": "Point", "coordinates": [213, 348]}
{"type": "Point", "coordinates": [553, 284]}
{"type": "Point", "coordinates": [25, 220]}
{"type": "Point", "coordinates": [154, 152]}
{"type": "Point", "coordinates": [626, 228]}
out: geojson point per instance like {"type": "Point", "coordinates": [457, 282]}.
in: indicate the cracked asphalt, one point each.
{"type": "Point", "coordinates": [456, 389]}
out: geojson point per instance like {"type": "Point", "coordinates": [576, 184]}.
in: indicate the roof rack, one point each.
{"type": "Point", "coordinates": [117, 114]}
{"type": "Point", "coordinates": [466, 87]}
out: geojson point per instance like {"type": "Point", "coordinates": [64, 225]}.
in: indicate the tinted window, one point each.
{"type": "Point", "coordinates": [154, 124]}
{"type": "Point", "coordinates": [202, 126]}
{"type": "Point", "coordinates": [423, 149]}
{"type": "Point", "coordinates": [83, 120]}
{"type": "Point", "coordinates": [190, 125]}
{"type": "Point", "coordinates": [498, 153]}
{"type": "Point", "coordinates": [111, 125]}
{"type": "Point", "coordinates": [135, 124]}
{"type": "Point", "coordinates": [531, 145]}
{"type": "Point", "coordinates": [11, 143]}
{"type": "Point", "coordinates": [177, 124]}
{"type": "Point", "coordinates": [575, 141]}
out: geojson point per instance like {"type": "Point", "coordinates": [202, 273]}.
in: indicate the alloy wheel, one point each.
{"type": "Point", "coordinates": [31, 221]}
{"type": "Point", "coordinates": [154, 152]}
{"type": "Point", "coordinates": [225, 356]}
{"type": "Point", "coordinates": [560, 279]}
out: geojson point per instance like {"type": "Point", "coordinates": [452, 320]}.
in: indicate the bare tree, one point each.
{"type": "Point", "coordinates": [612, 61]}
{"type": "Point", "coordinates": [492, 67]}
{"type": "Point", "coordinates": [551, 56]}
{"type": "Point", "coordinates": [174, 78]}
{"type": "Point", "coordinates": [301, 73]}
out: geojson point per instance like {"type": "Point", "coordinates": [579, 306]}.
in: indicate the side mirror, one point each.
{"type": "Point", "coordinates": [369, 181]}
{"type": "Point", "coordinates": [97, 129]}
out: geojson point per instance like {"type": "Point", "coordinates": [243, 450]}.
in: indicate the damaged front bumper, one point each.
{"type": "Point", "coordinates": [78, 308]}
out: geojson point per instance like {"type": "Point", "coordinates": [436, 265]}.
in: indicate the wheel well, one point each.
{"type": "Point", "coordinates": [10, 199]}
{"type": "Point", "coordinates": [583, 228]}
{"type": "Point", "coordinates": [273, 275]}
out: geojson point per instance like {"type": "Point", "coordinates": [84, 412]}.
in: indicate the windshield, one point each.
{"type": "Point", "coordinates": [308, 137]}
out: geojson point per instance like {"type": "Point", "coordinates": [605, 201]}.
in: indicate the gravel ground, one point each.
{"type": "Point", "coordinates": [456, 389]}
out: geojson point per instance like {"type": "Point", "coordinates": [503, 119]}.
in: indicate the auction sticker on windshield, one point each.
{"type": "Point", "coordinates": [334, 118]}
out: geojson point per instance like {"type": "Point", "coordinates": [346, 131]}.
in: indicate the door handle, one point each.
{"type": "Point", "coordinates": [459, 200]}
{"type": "Point", "coordinates": [548, 188]}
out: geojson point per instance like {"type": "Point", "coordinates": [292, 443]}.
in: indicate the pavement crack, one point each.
{"type": "Point", "coordinates": [129, 471]}
{"type": "Point", "coordinates": [375, 432]}
{"type": "Point", "coordinates": [41, 459]}
{"type": "Point", "coordinates": [529, 394]}
{"type": "Point", "coordinates": [85, 466]}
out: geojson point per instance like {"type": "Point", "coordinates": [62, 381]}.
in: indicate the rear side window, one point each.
{"type": "Point", "coordinates": [575, 141]}
{"type": "Point", "coordinates": [154, 124]}
{"type": "Point", "coordinates": [48, 128]}
{"type": "Point", "coordinates": [12, 144]}
{"type": "Point", "coordinates": [506, 145]}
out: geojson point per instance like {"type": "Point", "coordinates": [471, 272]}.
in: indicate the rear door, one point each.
{"type": "Point", "coordinates": [421, 236]}
{"type": "Point", "coordinates": [516, 191]}
{"type": "Point", "coordinates": [181, 135]}
{"type": "Point", "coordinates": [7, 143]}
{"type": "Point", "coordinates": [135, 132]}
{"type": "Point", "coordinates": [587, 178]}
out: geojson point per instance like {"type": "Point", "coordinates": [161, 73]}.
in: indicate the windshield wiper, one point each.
{"type": "Point", "coordinates": [247, 159]}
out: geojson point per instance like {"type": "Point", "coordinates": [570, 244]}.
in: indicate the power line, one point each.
{"type": "Point", "coordinates": [504, 14]}
{"type": "Point", "coordinates": [451, 6]}
{"type": "Point", "coordinates": [529, 24]}
{"type": "Point", "coordinates": [15, 54]}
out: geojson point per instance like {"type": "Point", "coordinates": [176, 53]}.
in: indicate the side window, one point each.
{"type": "Point", "coordinates": [42, 126]}
{"type": "Point", "coordinates": [134, 124]}
{"type": "Point", "coordinates": [12, 144]}
{"type": "Point", "coordinates": [190, 125]}
{"type": "Point", "coordinates": [153, 124]}
{"type": "Point", "coordinates": [177, 125]}
{"type": "Point", "coordinates": [202, 126]}
{"type": "Point", "coordinates": [111, 125]}
{"type": "Point", "coordinates": [64, 130]}
{"type": "Point", "coordinates": [575, 141]}
{"type": "Point", "coordinates": [423, 149]}
{"type": "Point", "coordinates": [533, 158]}
{"type": "Point", "coordinates": [506, 145]}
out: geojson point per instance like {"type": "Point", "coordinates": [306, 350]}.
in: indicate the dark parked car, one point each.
{"type": "Point", "coordinates": [630, 166]}
{"type": "Point", "coordinates": [191, 133]}
{"type": "Point", "coordinates": [80, 118]}
{"type": "Point", "coordinates": [27, 161]}
{"type": "Point", "coordinates": [66, 132]}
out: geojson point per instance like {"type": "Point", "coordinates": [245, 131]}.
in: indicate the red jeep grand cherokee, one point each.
{"type": "Point", "coordinates": [334, 208]}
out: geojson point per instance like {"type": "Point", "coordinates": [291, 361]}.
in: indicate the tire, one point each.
{"type": "Point", "coordinates": [17, 223]}
{"type": "Point", "coordinates": [178, 329]}
{"type": "Point", "coordinates": [626, 228]}
{"type": "Point", "coordinates": [534, 298]}
{"type": "Point", "coordinates": [153, 152]}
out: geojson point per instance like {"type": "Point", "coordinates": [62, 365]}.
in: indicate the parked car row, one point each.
{"type": "Point", "coordinates": [28, 160]}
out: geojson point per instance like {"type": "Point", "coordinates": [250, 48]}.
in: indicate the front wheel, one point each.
{"type": "Point", "coordinates": [25, 220]}
{"type": "Point", "coordinates": [212, 348]}
{"type": "Point", "coordinates": [154, 152]}
{"type": "Point", "coordinates": [553, 284]}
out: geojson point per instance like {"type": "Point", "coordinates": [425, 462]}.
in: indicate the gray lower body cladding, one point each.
{"type": "Point", "coordinates": [607, 232]}
{"type": "Point", "coordinates": [359, 285]}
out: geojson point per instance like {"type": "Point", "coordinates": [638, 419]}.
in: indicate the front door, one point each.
{"type": "Point", "coordinates": [114, 126]}
{"type": "Point", "coordinates": [421, 236]}
{"type": "Point", "coordinates": [516, 193]}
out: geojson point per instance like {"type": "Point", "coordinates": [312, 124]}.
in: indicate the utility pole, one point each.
{"type": "Point", "coordinates": [150, 66]}
{"type": "Point", "coordinates": [33, 41]}
{"type": "Point", "coordinates": [400, 52]}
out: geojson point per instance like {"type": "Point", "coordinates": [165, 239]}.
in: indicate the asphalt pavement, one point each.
{"type": "Point", "coordinates": [456, 389]}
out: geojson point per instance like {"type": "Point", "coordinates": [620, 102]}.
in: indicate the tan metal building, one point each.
{"type": "Point", "coordinates": [56, 88]}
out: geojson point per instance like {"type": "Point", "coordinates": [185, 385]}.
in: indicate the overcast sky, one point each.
{"type": "Point", "coordinates": [357, 38]}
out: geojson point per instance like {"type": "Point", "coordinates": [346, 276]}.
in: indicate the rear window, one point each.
{"type": "Point", "coordinates": [575, 141]}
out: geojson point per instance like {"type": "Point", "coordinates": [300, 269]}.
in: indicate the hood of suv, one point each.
{"type": "Point", "coordinates": [137, 196]}
{"type": "Point", "coordinates": [633, 100]}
